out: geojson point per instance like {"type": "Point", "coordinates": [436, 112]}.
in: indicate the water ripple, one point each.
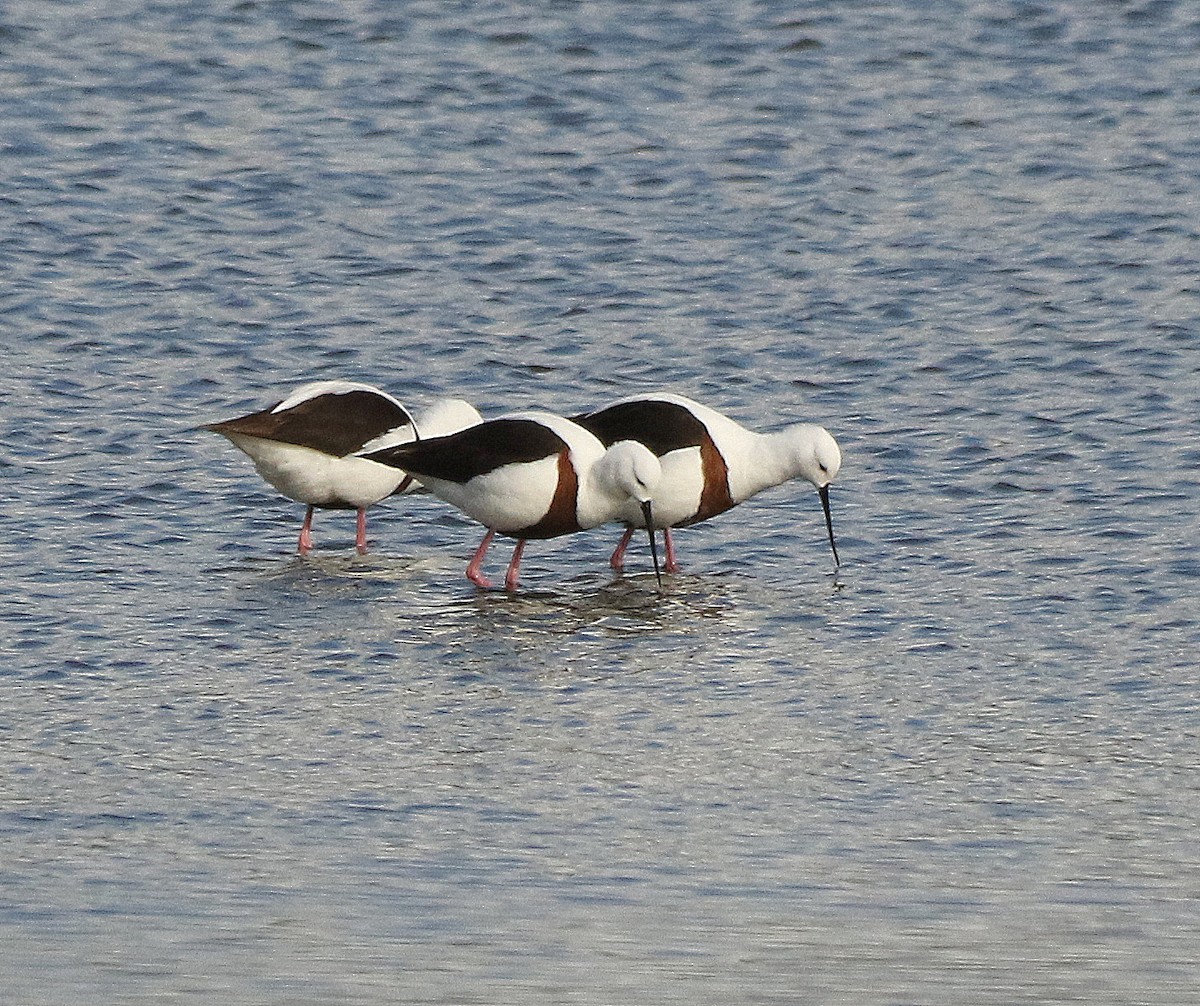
{"type": "Point", "coordinates": [965, 244]}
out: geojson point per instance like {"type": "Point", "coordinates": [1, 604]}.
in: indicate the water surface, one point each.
{"type": "Point", "coordinates": [959, 768]}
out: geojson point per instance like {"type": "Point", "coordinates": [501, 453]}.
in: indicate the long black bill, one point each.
{"type": "Point", "coordinates": [823, 492]}
{"type": "Point", "coordinates": [647, 512]}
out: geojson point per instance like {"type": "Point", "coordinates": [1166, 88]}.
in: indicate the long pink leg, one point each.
{"type": "Point", "coordinates": [306, 538]}
{"type": "Point", "coordinates": [360, 538]}
{"type": "Point", "coordinates": [510, 578]}
{"type": "Point", "coordinates": [617, 561]}
{"type": "Point", "coordinates": [473, 567]}
{"type": "Point", "coordinates": [672, 566]}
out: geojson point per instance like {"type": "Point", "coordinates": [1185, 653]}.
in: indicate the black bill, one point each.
{"type": "Point", "coordinates": [647, 512]}
{"type": "Point", "coordinates": [823, 492]}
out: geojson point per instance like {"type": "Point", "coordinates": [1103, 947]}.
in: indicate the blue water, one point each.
{"type": "Point", "coordinates": [959, 769]}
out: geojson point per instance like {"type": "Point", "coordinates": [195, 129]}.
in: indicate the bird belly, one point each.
{"type": "Point", "coordinates": [677, 497]}
{"type": "Point", "coordinates": [309, 476]}
{"type": "Point", "coordinates": [506, 499]}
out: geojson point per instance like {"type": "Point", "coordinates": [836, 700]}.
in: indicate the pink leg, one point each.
{"type": "Point", "coordinates": [510, 578]}
{"type": "Point", "coordinates": [306, 538]}
{"type": "Point", "coordinates": [618, 557]}
{"type": "Point", "coordinates": [672, 565]}
{"type": "Point", "coordinates": [360, 539]}
{"type": "Point", "coordinates": [473, 571]}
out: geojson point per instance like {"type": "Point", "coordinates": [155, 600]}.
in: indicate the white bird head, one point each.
{"type": "Point", "coordinates": [815, 454]}
{"type": "Point", "coordinates": [630, 470]}
{"type": "Point", "coordinates": [446, 416]}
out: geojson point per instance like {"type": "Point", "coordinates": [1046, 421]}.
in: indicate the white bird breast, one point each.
{"type": "Point", "coordinates": [309, 476]}
{"type": "Point", "coordinates": [678, 494]}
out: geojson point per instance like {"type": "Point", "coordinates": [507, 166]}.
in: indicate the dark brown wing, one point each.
{"type": "Point", "coordinates": [661, 426]}
{"type": "Point", "coordinates": [474, 451]}
{"type": "Point", "coordinates": [335, 424]}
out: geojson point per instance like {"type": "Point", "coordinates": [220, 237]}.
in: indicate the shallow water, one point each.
{"type": "Point", "coordinates": [959, 768]}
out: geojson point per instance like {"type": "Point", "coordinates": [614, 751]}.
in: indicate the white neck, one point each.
{"type": "Point", "coordinates": [599, 501]}
{"type": "Point", "coordinates": [605, 487]}
{"type": "Point", "coordinates": [772, 459]}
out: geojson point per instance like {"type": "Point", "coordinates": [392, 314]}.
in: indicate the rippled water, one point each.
{"type": "Point", "coordinates": [961, 769]}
